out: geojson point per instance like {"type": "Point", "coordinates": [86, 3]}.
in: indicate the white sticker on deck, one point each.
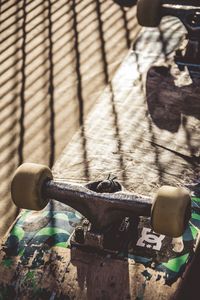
{"type": "Point", "coordinates": [149, 239]}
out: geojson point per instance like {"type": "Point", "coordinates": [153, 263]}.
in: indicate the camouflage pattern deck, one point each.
{"type": "Point", "coordinates": [37, 235]}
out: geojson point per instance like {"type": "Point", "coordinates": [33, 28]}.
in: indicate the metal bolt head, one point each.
{"type": "Point", "coordinates": [79, 235]}
{"type": "Point", "coordinates": [86, 222]}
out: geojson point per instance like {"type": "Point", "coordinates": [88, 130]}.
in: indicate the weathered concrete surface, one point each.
{"type": "Point", "coordinates": [53, 58]}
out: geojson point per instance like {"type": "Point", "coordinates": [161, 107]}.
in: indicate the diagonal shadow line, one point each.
{"type": "Point", "coordinates": [19, 17]}
{"type": "Point", "coordinates": [23, 86]}
{"type": "Point", "coordinates": [7, 8]}
{"type": "Point", "coordinates": [26, 63]}
{"type": "Point", "coordinates": [60, 37]}
{"type": "Point", "coordinates": [193, 160]}
{"type": "Point", "coordinates": [102, 41]}
{"type": "Point", "coordinates": [78, 63]}
{"type": "Point", "coordinates": [85, 59]}
{"type": "Point", "coordinates": [79, 89]}
{"type": "Point", "coordinates": [36, 25]}
{"type": "Point", "coordinates": [127, 35]}
{"type": "Point", "coordinates": [51, 87]}
{"type": "Point", "coordinates": [106, 74]}
{"type": "Point", "coordinates": [33, 18]}
{"type": "Point", "coordinates": [64, 66]}
{"type": "Point", "coordinates": [36, 46]}
{"type": "Point", "coordinates": [30, 20]}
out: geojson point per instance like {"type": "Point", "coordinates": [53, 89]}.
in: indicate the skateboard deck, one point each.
{"type": "Point", "coordinates": [124, 135]}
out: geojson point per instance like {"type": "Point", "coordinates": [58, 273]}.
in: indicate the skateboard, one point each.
{"type": "Point", "coordinates": [117, 226]}
{"type": "Point", "coordinates": [188, 12]}
{"type": "Point", "coordinates": [110, 242]}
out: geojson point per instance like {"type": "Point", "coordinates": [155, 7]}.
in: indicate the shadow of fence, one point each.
{"type": "Point", "coordinates": [53, 60]}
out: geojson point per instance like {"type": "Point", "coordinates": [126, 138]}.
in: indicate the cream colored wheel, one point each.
{"type": "Point", "coordinates": [26, 186]}
{"type": "Point", "coordinates": [171, 211]}
{"type": "Point", "coordinates": [149, 12]}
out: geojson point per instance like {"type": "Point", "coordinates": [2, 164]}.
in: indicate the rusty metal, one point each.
{"type": "Point", "coordinates": [94, 240]}
{"type": "Point", "coordinates": [117, 238]}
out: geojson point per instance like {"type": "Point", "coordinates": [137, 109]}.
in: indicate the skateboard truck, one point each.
{"type": "Point", "coordinates": [112, 214]}
{"type": "Point", "coordinates": [188, 11]}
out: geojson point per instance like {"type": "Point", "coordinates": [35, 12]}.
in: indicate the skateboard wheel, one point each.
{"type": "Point", "coordinates": [26, 186]}
{"type": "Point", "coordinates": [126, 3]}
{"type": "Point", "coordinates": [149, 12]}
{"type": "Point", "coordinates": [171, 211]}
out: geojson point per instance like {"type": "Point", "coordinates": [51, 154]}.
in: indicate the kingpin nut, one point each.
{"type": "Point", "coordinates": [79, 235]}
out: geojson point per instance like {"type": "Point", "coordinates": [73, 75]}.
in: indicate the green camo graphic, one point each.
{"type": "Point", "coordinates": [53, 227]}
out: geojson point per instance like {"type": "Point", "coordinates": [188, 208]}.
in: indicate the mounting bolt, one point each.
{"type": "Point", "coordinates": [86, 222]}
{"type": "Point", "coordinates": [179, 53]}
{"type": "Point", "coordinates": [79, 235]}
